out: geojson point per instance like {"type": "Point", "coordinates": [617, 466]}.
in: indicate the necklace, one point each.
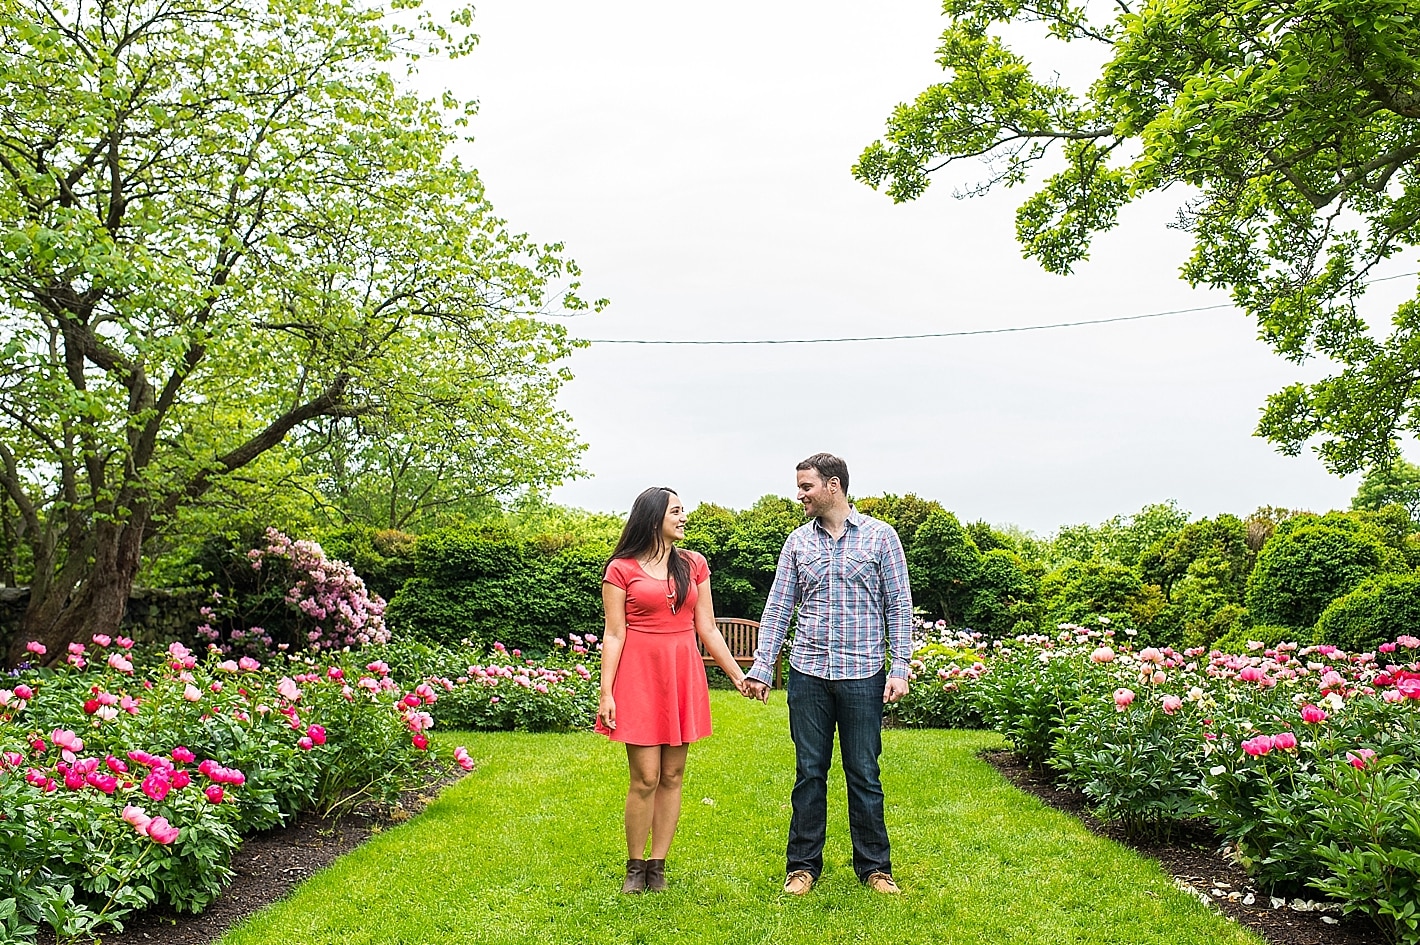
{"type": "Point", "coordinates": [670, 585]}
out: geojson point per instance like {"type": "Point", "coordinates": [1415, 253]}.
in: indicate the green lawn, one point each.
{"type": "Point", "coordinates": [528, 848]}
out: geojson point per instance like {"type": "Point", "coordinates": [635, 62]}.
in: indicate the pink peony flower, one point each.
{"type": "Point", "coordinates": [191, 693]}
{"type": "Point", "coordinates": [183, 755]}
{"type": "Point", "coordinates": [420, 740]}
{"type": "Point", "coordinates": [1259, 745]}
{"type": "Point", "coordinates": [316, 733]}
{"type": "Point", "coordinates": [461, 756]}
{"type": "Point", "coordinates": [288, 689]}
{"type": "Point", "coordinates": [24, 692]}
{"type": "Point", "coordinates": [160, 831]}
{"type": "Point", "coordinates": [66, 739]}
{"type": "Point", "coordinates": [246, 664]}
{"type": "Point", "coordinates": [1360, 757]}
{"type": "Point", "coordinates": [1122, 699]}
{"type": "Point", "coordinates": [1313, 715]}
{"type": "Point", "coordinates": [36, 647]}
{"type": "Point", "coordinates": [137, 817]}
{"type": "Point", "coordinates": [1284, 741]}
{"type": "Point", "coordinates": [304, 743]}
{"type": "Point", "coordinates": [1409, 687]}
{"type": "Point", "coordinates": [214, 793]}
{"type": "Point", "coordinates": [156, 785]}
{"type": "Point", "coordinates": [1171, 704]}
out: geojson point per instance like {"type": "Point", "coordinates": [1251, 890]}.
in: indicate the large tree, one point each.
{"type": "Point", "coordinates": [1294, 123]}
{"type": "Point", "coordinates": [221, 225]}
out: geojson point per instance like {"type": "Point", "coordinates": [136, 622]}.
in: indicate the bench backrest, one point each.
{"type": "Point", "coordinates": [741, 636]}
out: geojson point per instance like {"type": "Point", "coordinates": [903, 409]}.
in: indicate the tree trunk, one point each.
{"type": "Point", "coordinates": [64, 612]}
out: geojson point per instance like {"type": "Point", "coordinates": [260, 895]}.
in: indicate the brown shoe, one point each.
{"type": "Point", "coordinates": [655, 875]}
{"type": "Point", "coordinates": [799, 882]}
{"type": "Point", "coordinates": [635, 877]}
{"type": "Point", "coordinates": [882, 883]}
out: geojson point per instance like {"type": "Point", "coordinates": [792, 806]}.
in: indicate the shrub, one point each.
{"type": "Point", "coordinates": [1381, 609]}
{"type": "Point", "coordinates": [1138, 758]}
{"type": "Point", "coordinates": [942, 563]}
{"type": "Point", "coordinates": [1304, 568]}
{"type": "Point", "coordinates": [482, 586]}
{"type": "Point", "coordinates": [289, 595]}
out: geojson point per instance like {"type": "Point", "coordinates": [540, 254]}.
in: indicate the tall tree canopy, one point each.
{"type": "Point", "coordinates": [225, 226]}
{"type": "Point", "coordinates": [1295, 122]}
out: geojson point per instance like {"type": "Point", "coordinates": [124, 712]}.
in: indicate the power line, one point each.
{"type": "Point", "coordinates": [934, 334]}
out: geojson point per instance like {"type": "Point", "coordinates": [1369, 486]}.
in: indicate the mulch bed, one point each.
{"type": "Point", "coordinates": [1198, 867]}
{"type": "Point", "coordinates": [270, 864]}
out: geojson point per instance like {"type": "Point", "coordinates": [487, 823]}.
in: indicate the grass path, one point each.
{"type": "Point", "coordinates": [528, 849]}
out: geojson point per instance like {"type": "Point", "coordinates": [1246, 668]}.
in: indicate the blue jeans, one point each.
{"type": "Point", "coordinates": [855, 707]}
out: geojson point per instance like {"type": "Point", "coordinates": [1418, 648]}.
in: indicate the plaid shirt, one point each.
{"type": "Point", "coordinates": [853, 598]}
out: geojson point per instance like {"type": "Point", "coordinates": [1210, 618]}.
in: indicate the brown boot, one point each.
{"type": "Point", "coordinates": [655, 875]}
{"type": "Point", "coordinates": [635, 877]}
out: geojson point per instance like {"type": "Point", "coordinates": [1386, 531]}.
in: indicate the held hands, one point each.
{"type": "Point", "coordinates": [606, 711]}
{"type": "Point", "coordinates": [895, 689]}
{"type": "Point", "coordinates": [754, 689]}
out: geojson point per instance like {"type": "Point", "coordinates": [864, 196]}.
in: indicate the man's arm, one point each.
{"type": "Point", "coordinates": [774, 624]}
{"type": "Point", "coordinates": [897, 593]}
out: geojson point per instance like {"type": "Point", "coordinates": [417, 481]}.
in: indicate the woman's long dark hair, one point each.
{"type": "Point", "coordinates": [642, 537]}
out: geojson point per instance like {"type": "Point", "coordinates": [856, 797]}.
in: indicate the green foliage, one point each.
{"type": "Point", "coordinates": [1310, 562]}
{"type": "Point", "coordinates": [904, 513]}
{"type": "Point", "coordinates": [1394, 483]}
{"type": "Point", "coordinates": [1083, 591]}
{"type": "Point", "coordinates": [1004, 596]}
{"type": "Point", "coordinates": [1122, 539]}
{"type": "Point", "coordinates": [196, 271]}
{"type": "Point", "coordinates": [1372, 862]}
{"type": "Point", "coordinates": [383, 557]}
{"type": "Point", "coordinates": [1140, 765]}
{"type": "Point", "coordinates": [1377, 612]}
{"type": "Point", "coordinates": [486, 585]}
{"type": "Point", "coordinates": [943, 564]}
{"type": "Point", "coordinates": [1028, 700]}
{"type": "Point", "coordinates": [1294, 125]}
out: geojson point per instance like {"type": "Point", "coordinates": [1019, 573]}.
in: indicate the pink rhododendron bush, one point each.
{"type": "Point", "coordinates": [1305, 760]}
{"type": "Point", "coordinates": [128, 780]}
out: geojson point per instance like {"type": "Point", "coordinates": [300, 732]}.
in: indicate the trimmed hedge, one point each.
{"type": "Point", "coordinates": [485, 586]}
{"type": "Point", "coordinates": [1378, 611]}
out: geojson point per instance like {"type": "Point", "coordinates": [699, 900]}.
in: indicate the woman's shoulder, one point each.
{"type": "Point", "coordinates": [699, 567]}
{"type": "Point", "coordinates": [620, 570]}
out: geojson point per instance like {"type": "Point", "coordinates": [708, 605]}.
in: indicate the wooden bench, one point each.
{"type": "Point", "coordinates": [742, 636]}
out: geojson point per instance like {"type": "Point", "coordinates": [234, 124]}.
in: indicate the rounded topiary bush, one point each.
{"type": "Point", "coordinates": [1302, 570]}
{"type": "Point", "coordinates": [1374, 613]}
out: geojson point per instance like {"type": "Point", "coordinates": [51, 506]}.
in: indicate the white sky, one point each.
{"type": "Point", "coordinates": [695, 160]}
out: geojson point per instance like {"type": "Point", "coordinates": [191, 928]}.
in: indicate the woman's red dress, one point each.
{"type": "Point", "coordinates": [662, 697]}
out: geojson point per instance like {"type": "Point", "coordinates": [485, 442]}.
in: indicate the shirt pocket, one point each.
{"type": "Point", "coordinates": [859, 567]}
{"type": "Point", "coordinates": [813, 569]}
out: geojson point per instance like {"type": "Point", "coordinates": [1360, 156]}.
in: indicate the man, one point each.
{"type": "Point", "coordinates": [847, 575]}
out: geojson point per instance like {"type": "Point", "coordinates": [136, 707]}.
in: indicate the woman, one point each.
{"type": "Point", "coordinates": [654, 696]}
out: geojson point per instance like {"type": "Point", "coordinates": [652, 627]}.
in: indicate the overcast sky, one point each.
{"type": "Point", "coordinates": [696, 161]}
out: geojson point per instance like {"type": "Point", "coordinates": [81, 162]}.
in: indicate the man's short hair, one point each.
{"type": "Point", "coordinates": [828, 467]}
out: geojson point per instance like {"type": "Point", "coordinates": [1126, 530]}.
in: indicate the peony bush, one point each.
{"type": "Point", "coordinates": [127, 778]}
{"type": "Point", "coordinates": [1305, 760]}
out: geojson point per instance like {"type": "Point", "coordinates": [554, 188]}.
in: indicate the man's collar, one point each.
{"type": "Point", "coordinates": [855, 519]}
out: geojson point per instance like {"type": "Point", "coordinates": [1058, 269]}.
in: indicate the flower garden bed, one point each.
{"type": "Point", "coordinates": [1304, 762]}
{"type": "Point", "coordinates": [128, 780]}
{"type": "Point", "coordinates": [1192, 857]}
